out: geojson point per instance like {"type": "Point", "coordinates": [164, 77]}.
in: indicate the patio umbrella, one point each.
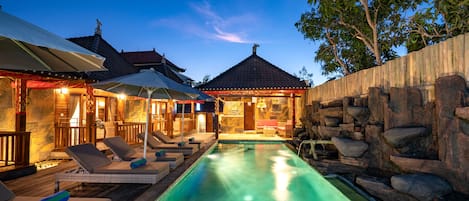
{"type": "Point", "coordinates": [24, 46]}
{"type": "Point", "coordinates": [150, 84]}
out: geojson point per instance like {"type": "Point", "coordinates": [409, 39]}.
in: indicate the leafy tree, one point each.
{"type": "Point", "coordinates": [205, 79]}
{"type": "Point", "coordinates": [305, 76]}
{"type": "Point", "coordinates": [437, 21]}
{"type": "Point", "coordinates": [355, 34]}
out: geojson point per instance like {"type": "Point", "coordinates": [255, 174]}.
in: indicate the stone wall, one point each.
{"type": "Point", "coordinates": [399, 132]}
{"type": "Point", "coordinates": [40, 115]}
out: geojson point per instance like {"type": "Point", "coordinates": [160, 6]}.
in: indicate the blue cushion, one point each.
{"type": "Point", "coordinates": [59, 196]}
{"type": "Point", "coordinates": [138, 162]}
{"type": "Point", "coordinates": [160, 153]}
{"type": "Point", "coordinates": [181, 144]}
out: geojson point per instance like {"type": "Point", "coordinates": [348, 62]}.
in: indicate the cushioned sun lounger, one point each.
{"type": "Point", "coordinates": [7, 194]}
{"type": "Point", "coordinates": [152, 142]}
{"type": "Point", "coordinates": [167, 140]}
{"type": "Point", "coordinates": [123, 151]}
{"type": "Point", "coordinates": [95, 167]}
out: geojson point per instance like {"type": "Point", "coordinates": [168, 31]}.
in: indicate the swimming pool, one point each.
{"type": "Point", "coordinates": [247, 171]}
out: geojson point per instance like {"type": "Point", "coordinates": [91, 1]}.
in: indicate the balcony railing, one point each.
{"type": "Point", "coordinates": [66, 136]}
{"type": "Point", "coordinates": [14, 148]}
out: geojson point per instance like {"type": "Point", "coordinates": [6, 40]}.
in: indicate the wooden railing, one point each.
{"type": "Point", "coordinates": [66, 136]}
{"type": "Point", "coordinates": [129, 131]}
{"type": "Point", "coordinates": [14, 148]}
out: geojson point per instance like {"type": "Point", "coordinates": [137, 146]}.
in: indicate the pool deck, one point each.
{"type": "Point", "coordinates": [42, 182]}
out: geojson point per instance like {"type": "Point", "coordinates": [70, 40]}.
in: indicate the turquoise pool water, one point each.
{"type": "Point", "coordinates": [252, 171]}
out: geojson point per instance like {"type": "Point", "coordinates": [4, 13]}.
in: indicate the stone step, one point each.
{"type": "Point", "coordinates": [399, 137]}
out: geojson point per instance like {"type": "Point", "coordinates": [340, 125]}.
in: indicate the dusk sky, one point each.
{"type": "Point", "coordinates": [204, 37]}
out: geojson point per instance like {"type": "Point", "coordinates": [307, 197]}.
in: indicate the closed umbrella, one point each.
{"type": "Point", "coordinates": [24, 46]}
{"type": "Point", "coordinates": [150, 84]}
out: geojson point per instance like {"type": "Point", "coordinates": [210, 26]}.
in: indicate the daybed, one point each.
{"type": "Point", "coordinates": [123, 151]}
{"type": "Point", "coordinates": [95, 167]}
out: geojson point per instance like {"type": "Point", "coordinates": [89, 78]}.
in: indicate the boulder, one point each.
{"type": "Point", "coordinates": [349, 147]}
{"type": "Point", "coordinates": [327, 132]}
{"type": "Point", "coordinates": [361, 114]}
{"type": "Point", "coordinates": [381, 190]}
{"type": "Point", "coordinates": [331, 121]}
{"type": "Point", "coordinates": [462, 112]}
{"type": "Point", "coordinates": [425, 187]}
{"type": "Point", "coordinates": [399, 137]}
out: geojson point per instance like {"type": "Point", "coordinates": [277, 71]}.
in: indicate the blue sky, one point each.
{"type": "Point", "coordinates": [204, 37]}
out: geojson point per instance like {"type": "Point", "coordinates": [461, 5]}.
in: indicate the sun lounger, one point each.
{"type": "Point", "coordinates": [125, 152]}
{"type": "Point", "coordinates": [7, 194]}
{"type": "Point", "coordinates": [167, 140]}
{"type": "Point", "coordinates": [152, 142]}
{"type": "Point", "coordinates": [95, 167]}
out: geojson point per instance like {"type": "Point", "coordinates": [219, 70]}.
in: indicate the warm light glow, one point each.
{"type": "Point", "coordinates": [101, 103]}
{"type": "Point", "coordinates": [63, 90]}
{"type": "Point", "coordinates": [261, 104]}
{"type": "Point", "coordinates": [121, 96]}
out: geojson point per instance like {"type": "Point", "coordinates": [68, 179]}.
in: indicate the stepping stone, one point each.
{"type": "Point", "coordinates": [349, 147]}
{"type": "Point", "coordinates": [399, 137]}
{"type": "Point", "coordinates": [378, 188]}
{"type": "Point", "coordinates": [424, 187]}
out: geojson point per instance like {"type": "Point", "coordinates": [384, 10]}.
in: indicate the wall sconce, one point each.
{"type": "Point", "coordinates": [121, 96]}
{"type": "Point", "coordinates": [63, 90]}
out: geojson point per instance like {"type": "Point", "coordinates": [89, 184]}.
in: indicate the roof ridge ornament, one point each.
{"type": "Point", "coordinates": [254, 48]}
{"type": "Point", "coordinates": [98, 31]}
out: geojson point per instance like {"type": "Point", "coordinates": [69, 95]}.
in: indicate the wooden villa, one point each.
{"type": "Point", "coordinates": [45, 112]}
{"type": "Point", "coordinates": [255, 96]}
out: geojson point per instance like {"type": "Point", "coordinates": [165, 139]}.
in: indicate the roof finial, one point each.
{"type": "Point", "coordinates": [254, 47]}
{"type": "Point", "coordinates": [163, 59]}
{"type": "Point", "coordinates": [97, 31]}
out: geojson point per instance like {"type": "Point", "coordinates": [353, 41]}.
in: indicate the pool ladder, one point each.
{"type": "Point", "coordinates": [313, 143]}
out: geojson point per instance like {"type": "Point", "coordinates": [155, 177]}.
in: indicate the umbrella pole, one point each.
{"type": "Point", "coordinates": [149, 91]}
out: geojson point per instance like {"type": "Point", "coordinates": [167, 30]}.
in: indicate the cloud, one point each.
{"type": "Point", "coordinates": [220, 27]}
{"type": "Point", "coordinates": [204, 22]}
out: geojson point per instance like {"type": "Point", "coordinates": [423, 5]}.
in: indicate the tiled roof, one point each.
{"type": "Point", "coordinates": [145, 58]}
{"type": "Point", "coordinates": [253, 73]}
{"type": "Point", "coordinates": [115, 63]}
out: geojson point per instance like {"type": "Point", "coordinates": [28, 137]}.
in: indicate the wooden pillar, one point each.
{"type": "Point", "coordinates": [293, 121]}
{"type": "Point", "coordinates": [20, 122]}
{"type": "Point", "coordinates": [90, 115]}
{"type": "Point", "coordinates": [215, 118]}
{"type": "Point", "coordinates": [193, 117]}
{"type": "Point", "coordinates": [169, 118]}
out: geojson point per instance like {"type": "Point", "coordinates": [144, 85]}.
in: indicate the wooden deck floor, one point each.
{"type": "Point", "coordinates": [42, 183]}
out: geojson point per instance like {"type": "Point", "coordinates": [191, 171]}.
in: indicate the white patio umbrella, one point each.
{"type": "Point", "coordinates": [150, 84]}
{"type": "Point", "coordinates": [24, 46]}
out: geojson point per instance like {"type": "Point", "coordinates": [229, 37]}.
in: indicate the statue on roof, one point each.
{"type": "Point", "coordinates": [97, 31]}
{"type": "Point", "coordinates": [254, 47]}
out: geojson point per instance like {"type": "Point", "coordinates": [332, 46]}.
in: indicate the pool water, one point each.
{"type": "Point", "coordinates": [252, 171]}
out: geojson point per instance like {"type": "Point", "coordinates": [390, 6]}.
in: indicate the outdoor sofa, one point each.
{"type": "Point", "coordinates": [123, 151]}
{"type": "Point", "coordinates": [95, 167]}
